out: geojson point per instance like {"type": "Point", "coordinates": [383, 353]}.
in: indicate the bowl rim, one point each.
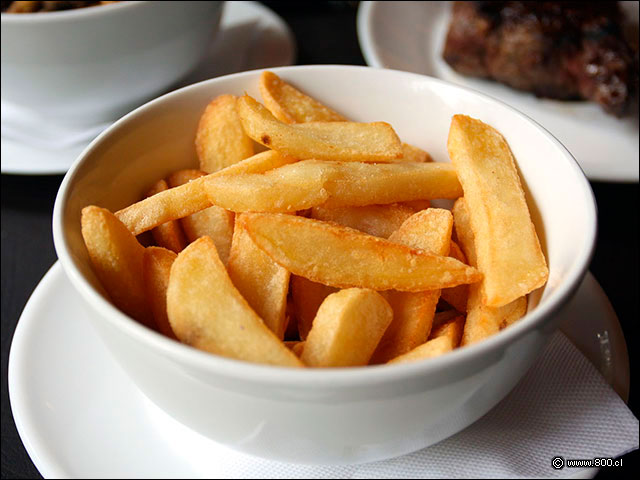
{"type": "Point", "coordinates": [348, 377]}
{"type": "Point", "coordinates": [73, 14]}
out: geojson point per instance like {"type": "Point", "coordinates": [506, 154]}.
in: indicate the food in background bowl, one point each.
{"type": "Point", "coordinates": [239, 310]}
{"type": "Point", "coordinates": [91, 65]}
{"type": "Point", "coordinates": [51, 6]}
{"type": "Point", "coordinates": [354, 414]}
{"type": "Point", "coordinates": [561, 50]}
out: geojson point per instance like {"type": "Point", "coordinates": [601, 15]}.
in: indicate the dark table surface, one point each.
{"type": "Point", "coordinates": [325, 33]}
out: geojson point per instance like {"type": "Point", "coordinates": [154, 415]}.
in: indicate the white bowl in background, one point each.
{"type": "Point", "coordinates": [94, 64]}
{"type": "Point", "coordinates": [332, 416]}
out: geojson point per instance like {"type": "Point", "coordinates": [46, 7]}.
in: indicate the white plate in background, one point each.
{"type": "Point", "coordinates": [410, 36]}
{"type": "Point", "coordinates": [251, 36]}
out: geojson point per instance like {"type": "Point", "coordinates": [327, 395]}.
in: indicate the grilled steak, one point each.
{"type": "Point", "coordinates": [562, 50]}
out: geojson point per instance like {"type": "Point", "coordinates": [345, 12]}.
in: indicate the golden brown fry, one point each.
{"type": "Point", "coordinates": [220, 138]}
{"type": "Point", "coordinates": [168, 235]}
{"type": "Point", "coordinates": [260, 280]}
{"type": "Point", "coordinates": [451, 328]}
{"type": "Point", "coordinates": [116, 257]}
{"type": "Point", "coordinates": [507, 247]}
{"type": "Point", "coordinates": [482, 320]}
{"type": "Point", "coordinates": [207, 312]}
{"type": "Point", "coordinates": [285, 189]}
{"type": "Point", "coordinates": [157, 263]}
{"type": "Point", "coordinates": [359, 184]}
{"type": "Point", "coordinates": [191, 197]}
{"type": "Point", "coordinates": [411, 153]}
{"type": "Point", "coordinates": [290, 105]}
{"type": "Point", "coordinates": [456, 296]}
{"type": "Point", "coordinates": [326, 253]}
{"type": "Point", "coordinates": [377, 220]}
{"type": "Point", "coordinates": [432, 348]}
{"type": "Point", "coordinates": [296, 346]}
{"type": "Point", "coordinates": [307, 298]}
{"type": "Point", "coordinates": [429, 230]}
{"type": "Point", "coordinates": [347, 329]}
{"type": "Point", "coordinates": [213, 221]}
{"type": "Point", "coordinates": [341, 141]}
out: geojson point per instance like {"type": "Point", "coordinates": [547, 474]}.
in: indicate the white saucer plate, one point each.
{"type": "Point", "coordinates": [410, 36]}
{"type": "Point", "coordinates": [79, 415]}
{"type": "Point", "coordinates": [251, 36]}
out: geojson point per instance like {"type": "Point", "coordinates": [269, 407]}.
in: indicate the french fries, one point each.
{"type": "Point", "coordinates": [191, 197]}
{"type": "Point", "coordinates": [482, 320]}
{"type": "Point", "coordinates": [413, 312]}
{"type": "Point", "coordinates": [507, 246]}
{"type": "Point", "coordinates": [261, 281]}
{"type": "Point", "coordinates": [220, 138]}
{"type": "Point", "coordinates": [156, 267]}
{"type": "Point", "coordinates": [456, 296]}
{"type": "Point", "coordinates": [327, 253]}
{"type": "Point", "coordinates": [206, 311]}
{"type": "Point", "coordinates": [377, 220]}
{"type": "Point", "coordinates": [307, 298]}
{"type": "Point", "coordinates": [311, 183]}
{"type": "Point", "coordinates": [323, 250]}
{"type": "Point", "coordinates": [116, 258]}
{"type": "Point", "coordinates": [168, 235]}
{"type": "Point", "coordinates": [215, 222]}
{"type": "Point", "coordinates": [290, 105]}
{"type": "Point", "coordinates": [286, 189]}
{"type": "Point", "coordinates": [347, 329]}
{"type": "Point", "coordinates": [341, 141]}
{"type": "Point", "coordinates": [360, 184]}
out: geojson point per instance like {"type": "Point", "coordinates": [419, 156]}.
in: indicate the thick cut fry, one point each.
{"type": "Point", "coordinates": [341, 141]}
{"type": "Point", "coordinates": [451, 328]}
{"type": "Point", "coordinates": [342, 257]}
{"type": "Point", "coordinates": [432, 348]}
{"type": "Point", "coordinates": [311, 183]}
{"type": "Point", "coordinates": [507, 247]}
{"type": "Point", "coordinates": [206, 311]}
{"type": "Point", "coordinates": [347, 328]}
{"type": "Point", "coordinates": [116, 257]}
{"type": "Point", "coordinates": [482, 320]}
{"type": "Point", "coordinates": [179, 202]}
{"type": "Point", "coordinates": [307, 298]}
{"type": "Point", "coordinates": [359, 184]}
{"type": "Point", "coordinates": [220, 138]}
{"type": "Point", "coordinates": [156, 269]}
{"type": "Point", "coordinates": [213, 221]}
{"type": "Point", "coordinates": [414, 154]}
{"type": "Point", "coordinates": [290, 105]}
{"type": "Point", "coordinates": [443, 339]}
{"type": "Point", "coordinates": [285, 189]}
{"type": "Point", "coordinates": [377, 220]}
{"type": "Point", "coordinates": [296, 346]}
{"type": "Point", "coordinates": [456, 296]}
{"type": "Point", "coordinates": [168, 235]}
{"type": "Point", "coordinates": [260, 280]}
{"type": "Point", "coordinates": [413, 312]}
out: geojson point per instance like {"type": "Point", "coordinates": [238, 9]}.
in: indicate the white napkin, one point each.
{"type": "Point", "coordinates": [562, 407]}
{"type": "Point", "coordinates": [27, 127]}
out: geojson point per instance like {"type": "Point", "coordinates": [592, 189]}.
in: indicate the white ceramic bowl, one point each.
{"type": "Point", "coordinates": [94, 64]}
{"type": "Point", "coordinates": [332, 415]}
